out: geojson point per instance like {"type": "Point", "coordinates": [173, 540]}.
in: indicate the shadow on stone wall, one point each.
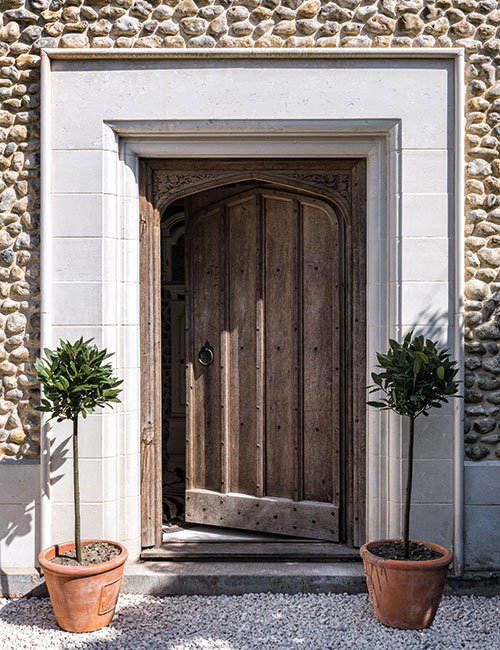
{"type": "Point", "coordinates": [20, 518]}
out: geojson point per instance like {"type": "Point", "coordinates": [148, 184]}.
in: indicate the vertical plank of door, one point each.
{"type": "Point", "coordinates": [280, 372]}
{"type": "Point", "coordinates": [322, 270]}
{"type": "Point", "coordinates": [260, 377]}
{"type": "Point", "coordinates": [150, 349]}
{"type": "Point", "coordinates": [224, 352]}
{"type": "Point", "coordinates": [243, 259]}
{"type": "Point", "coordinates": [205, 289]}
{"type": "Point", "coordinates": [188, 353]}
{"type": "Point", "coordinates": [298, 328]}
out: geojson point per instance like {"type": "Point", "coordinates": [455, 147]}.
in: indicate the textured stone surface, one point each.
{"type": "Point", "coordinates": [26, 26]}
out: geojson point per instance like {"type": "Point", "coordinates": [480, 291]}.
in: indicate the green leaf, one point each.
{"type": "Point", "coordinates": [440, 372]}
{"type": "Point", "coordinates": [378, 405]}
{"type": "Point", "coordinates": [423, 357]}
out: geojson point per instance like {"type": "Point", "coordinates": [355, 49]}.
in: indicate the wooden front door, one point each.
{"type": "Point", "coordinates": [263, 430]}
{"type": "Point", "coordinates": [265, 359]}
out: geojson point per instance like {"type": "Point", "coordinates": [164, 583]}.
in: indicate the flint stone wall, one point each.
{"type": "Point", "coordinates": [29, 25]}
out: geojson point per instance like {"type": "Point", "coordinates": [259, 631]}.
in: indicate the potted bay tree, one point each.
{"type": "Point", "coordinates": [405, 577]}
{"type": "Point", "coordinates": [83, 577]}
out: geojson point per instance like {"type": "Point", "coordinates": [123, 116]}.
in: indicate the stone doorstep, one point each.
{"type": "Point", "coordinates": [228, 578]}
{"type": "Point", "coordinates": [232, 578]}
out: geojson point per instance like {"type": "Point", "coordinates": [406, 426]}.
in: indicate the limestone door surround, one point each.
{"type": "Point", "coordinates": [104, 110]}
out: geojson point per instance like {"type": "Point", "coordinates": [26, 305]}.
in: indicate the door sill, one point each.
{"type": "Point", "coordinates": [276, 551]}
{"type": "Point", "coordinates": [199, 542]}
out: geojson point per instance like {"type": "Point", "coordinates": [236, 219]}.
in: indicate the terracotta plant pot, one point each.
{"type": "Point", "coordinates": [83, 597]}
{"type": "Point", "coordinates": [405, 593]}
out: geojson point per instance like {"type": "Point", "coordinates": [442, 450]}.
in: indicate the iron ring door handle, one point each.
{"type": "Point", "coordinates": [206, 354]}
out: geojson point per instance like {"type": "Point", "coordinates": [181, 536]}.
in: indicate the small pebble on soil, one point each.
{"type": "Point", "coordinates": [252, 622]}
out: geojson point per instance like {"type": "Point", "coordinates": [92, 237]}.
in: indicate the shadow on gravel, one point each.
{"type": "Point", "coordinates": [29, 611]}
{"type": "Point", "coordinates": [175, 623]}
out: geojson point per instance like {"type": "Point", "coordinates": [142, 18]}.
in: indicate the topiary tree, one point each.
{"type": "Point", "coordinates": [415, 377]}
{"type": "Point", "coordinates": [75, 382]}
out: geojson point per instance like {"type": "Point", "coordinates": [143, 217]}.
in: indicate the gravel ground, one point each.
{"type": "Point", "coordinates": [252, 622]}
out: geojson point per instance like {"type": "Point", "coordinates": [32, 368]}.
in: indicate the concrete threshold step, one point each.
{"type": "Point", "coordinates": [232, 578]}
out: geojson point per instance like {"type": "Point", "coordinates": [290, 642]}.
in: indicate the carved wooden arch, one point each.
{"type": "Point", "coordinates": [332, 179]}
{"type": "Point", "coordinates": [169, 187]}
{"type": "Point", "coordinates": [342, 182]}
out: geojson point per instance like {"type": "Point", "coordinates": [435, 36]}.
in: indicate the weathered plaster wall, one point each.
{"type": "Point", "coordinates": [30, 25]}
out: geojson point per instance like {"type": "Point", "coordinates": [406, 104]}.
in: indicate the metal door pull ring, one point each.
{"type": "Point", "coordinates": [206, 354]}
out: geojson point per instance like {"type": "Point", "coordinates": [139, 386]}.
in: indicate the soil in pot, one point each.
{"type": "Point", "coordinates": [394, 550]}
{"type": "Point", "coordinates": [92, 553]}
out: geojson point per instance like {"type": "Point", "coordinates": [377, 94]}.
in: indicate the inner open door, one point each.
{"type": "Point", "coordinates": [265, 353]}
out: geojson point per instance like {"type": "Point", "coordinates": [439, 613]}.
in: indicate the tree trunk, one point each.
{"type": "Point", "coordinates": [76, 492]}
{"type": "Point", "coordinates": [406, 529]}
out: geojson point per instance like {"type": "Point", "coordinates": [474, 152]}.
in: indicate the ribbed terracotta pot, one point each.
{"type": "Point", "coordinates": [404, 593]}
{"type": "Point", "coordinates": [83, 597]}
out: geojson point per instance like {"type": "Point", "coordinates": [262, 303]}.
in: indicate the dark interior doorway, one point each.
{"type": "Point", "coordinates": [173, 313]}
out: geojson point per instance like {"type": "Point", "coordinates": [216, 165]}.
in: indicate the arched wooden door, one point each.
{"type": "Point", "coordinates": [265, 353]}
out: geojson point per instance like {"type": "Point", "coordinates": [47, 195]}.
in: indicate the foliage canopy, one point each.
{"type": "Point", "coordinates": [416, 376]}
{"type": "Point", "coordinates": [76, 380]}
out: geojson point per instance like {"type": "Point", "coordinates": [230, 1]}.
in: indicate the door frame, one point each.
{"type": "Point", "coordinates": [342, 182]}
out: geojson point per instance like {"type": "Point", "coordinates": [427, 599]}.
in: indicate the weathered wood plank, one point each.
{"type": "Point", "coordinates": [150, 348]}
{"type": "Point", "coordinates": [260, 357]}
{"type": "Point", "coordinates": [205, 290]}
{"type": "Point", "coordinates": [243, 259]}
{"type": "Point", "coordinates": [270, 514]}
{"type": "Point", "coordinates": [356, 463]}
{"type": "Point", "coordinates": [269, 550]}
{"type": "Point", "coordinates": [280, 347]}
{"type": "Point", "coordinates": [322, 270]}
{"type": "Point", "coordinates": [324, 165]}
